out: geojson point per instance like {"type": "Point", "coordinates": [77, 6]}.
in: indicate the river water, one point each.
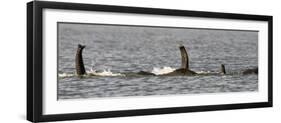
{"type": "Point", "coordinates": [114, 49]}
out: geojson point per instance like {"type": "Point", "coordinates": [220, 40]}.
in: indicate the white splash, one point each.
{"type": "Point", "coordinates": [203, 72]}
{"type": "Point", "coordinates": [62, 75]}
{"type": "Point", "coordinates": [161, 71]}
{"type": "Point", "coordinates": [104, 73]}
{"type": "Point", "coordinates": [207, 72]}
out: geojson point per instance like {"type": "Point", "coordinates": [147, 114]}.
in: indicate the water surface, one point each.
{"type": "Point", "coordinates": [112, 50]}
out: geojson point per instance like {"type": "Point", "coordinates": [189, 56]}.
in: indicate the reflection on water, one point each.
{"type": "Point", "coordinates": [113, 50]}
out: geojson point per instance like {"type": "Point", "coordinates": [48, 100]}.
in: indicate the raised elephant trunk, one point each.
{"type": "Point", "coordinates": [184, 58]}
{"type": "Point", "coordinates": [223, 69]}
{"type": "Point", "coordinates": [79, 64]}
{"type": "Point", "coordinates": [184, 69]}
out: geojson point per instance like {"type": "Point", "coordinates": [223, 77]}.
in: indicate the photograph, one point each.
{"type": "Point", "coordinates": [97, 60]}
{"type": "Point", "coordinates": [91, 61]}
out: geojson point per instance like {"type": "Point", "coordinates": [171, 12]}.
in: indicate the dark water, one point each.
{"type": "Point", "coordinates": [113, 50]}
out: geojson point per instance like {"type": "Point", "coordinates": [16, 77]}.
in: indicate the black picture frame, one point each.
{"type": "Point", "coordinates": [35, 69]}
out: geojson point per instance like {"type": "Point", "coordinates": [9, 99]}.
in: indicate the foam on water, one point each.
{"type": "Point", "coordinates": [104, 73]}
{"type": "Point", "coordinates": [92, 73]}
{"type": "Point", "coordinates": [155, 70]}
{"type": "Point", "coordinates": [161, 71]}
{"type": "Point", "coordinates": [63, 75]}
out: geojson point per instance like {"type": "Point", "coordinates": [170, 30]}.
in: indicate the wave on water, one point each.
{"type": "Point", "coordinates": [161, 71]}
{"type": "Point", "coordinates": [91, 73]}
{"type": "Point", "coordinates": [63, 75]}
{"type": "Point", "coordinates": [155, 70]}
{"type": "Point", "coordinates": [207, 72]}
{"type": "Point", "coordinates": [166, 70]}
{"type": "Point", "coordinates": [104, 73]}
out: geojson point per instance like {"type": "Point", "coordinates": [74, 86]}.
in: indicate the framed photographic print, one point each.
{"type": "Point", "coordinates": [90, 61]}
